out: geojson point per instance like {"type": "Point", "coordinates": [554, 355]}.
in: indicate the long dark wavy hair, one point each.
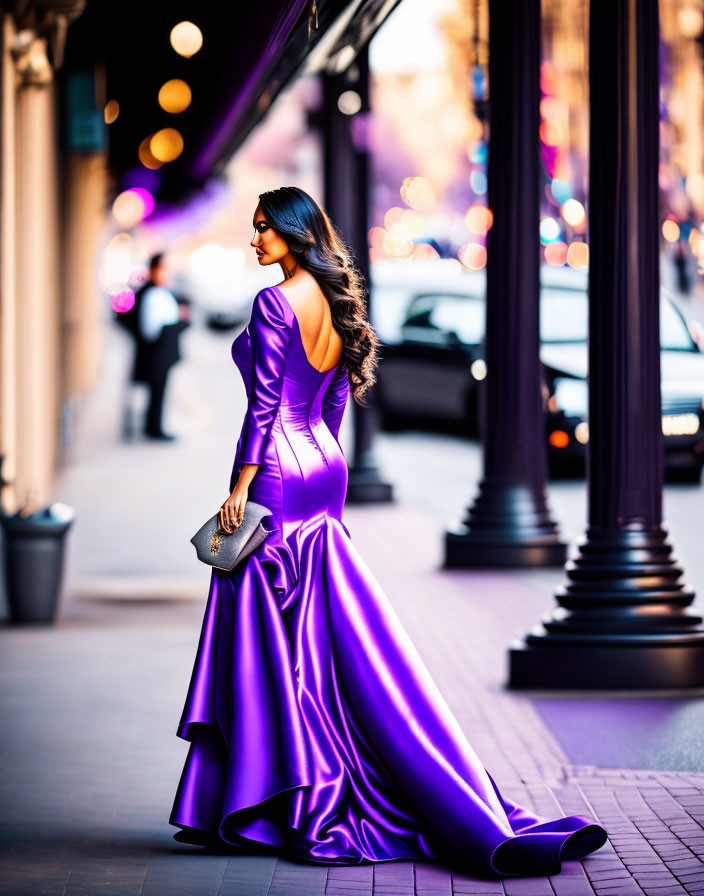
{"type": "Point", "coordinates": [318, 247]}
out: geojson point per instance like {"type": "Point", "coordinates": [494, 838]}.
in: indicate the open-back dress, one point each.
{"type": "Point", "coordinates": [315, 728]}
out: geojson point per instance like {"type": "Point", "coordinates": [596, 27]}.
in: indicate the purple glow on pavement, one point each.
{"type": "Point", "coordinates": [632, 732]}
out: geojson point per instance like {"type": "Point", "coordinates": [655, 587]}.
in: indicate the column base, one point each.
{"type": "Point", "coordinates": [507, 525]}
{"type": "Point", "coordinates": [365, 486]}
{"type": "Point", "coordinates": [465, 548]}
{"type": "Point", "coordinates": [609, 662]}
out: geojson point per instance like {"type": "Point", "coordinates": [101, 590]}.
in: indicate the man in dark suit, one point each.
{"type": "Point", "coordinates": [160, 319]}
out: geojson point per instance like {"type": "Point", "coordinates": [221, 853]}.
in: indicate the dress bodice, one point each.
{"type": "Point", "coordinates": [292, 407]}
{"type": "Point", "coordinates": [301, 383]}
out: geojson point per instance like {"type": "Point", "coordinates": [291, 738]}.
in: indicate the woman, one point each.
{"type": "Point", "coordinates": [315, 729]}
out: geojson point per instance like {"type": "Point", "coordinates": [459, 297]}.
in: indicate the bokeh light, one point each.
{"type": "Point", "coordinates": [393, 216]}
{"type": "Point", "coordinates": [548, 77]}
{"type": "Point", "coordinates": [398, 242]}
{"type": "Point", "coordinates": [186, 38]}
{"type": "Point", "coordinates": [376, 237]}
{"type": "Point", "coordinates": [174, 96]}
{"type": "Point", "coordinates": [480, 153]}
{"type": "Point", "coordinates": [478, 182]}
{"type": "Point", "coordinates": [147, 200]}
{"type": "Point", "coordinates": [479, 218]}
{"type": "Point", "coordinates": [128, 209]}
{"type": "Point", "coordinates": [559, 438]}
{"type": "Point", "coordinates": [573, 212]}
{"type": "Point", "coordinates": [556, 253]}
{"type": "Point", "coordinates": [549, 230]}
{"type": "Point", "coordinates": [690, 20]}
{"type": "Point", "coordinates": [670, 230]}
{"type": "Point", "coordinates": [472, 256]}
{"type": "Point", "coordinates": [166, 145]}
{"type": "Point", "coordinates": [561, 190]}
{"type": "Point", "coordinates": [120, 265]}
{"type": "Point", "coordinates": [414, 222]}
{"type": "Point", "coordinates": [578, 255]}
{"type": "Point", "coordinates": [552, 132]}
{"type": "Point", "coordinates": [349, 102]}
{"type": "Point", "coordinates": [551, 107]}
{"type": "Point", "coordinates": [418, 193]}
{"type": "Point", "coordinates": [111, 111]}
{"type": "Point", "coordinates": [478, 369]}
{"type": "Point", "coordinates": [146, 157]}
{"type": "Point", "coordinates": [122, 300]}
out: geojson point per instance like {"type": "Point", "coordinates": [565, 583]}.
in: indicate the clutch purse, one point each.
{"type": "Point", "coordinates": [224, 550]}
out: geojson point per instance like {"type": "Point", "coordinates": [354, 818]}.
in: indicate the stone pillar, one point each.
{"type": "Point", "coordinates": [85, 190]}
{"type": "Point", "coordinates": [624, 617]}
{"type": "Point", "coordinates": [8, 299]}
{"type": "Point", "coordinates": [346, 167]}
{"type": "Point", "coordinates": [34, 36]}
{"type": "Point", "coordinates": [509, 523]}
{"type": "Point", "coordinates": [37, 277]}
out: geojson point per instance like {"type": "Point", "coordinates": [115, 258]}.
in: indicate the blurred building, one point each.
{"type": "Point", "coordinates": [62, 71]}
{"type": "Point", "coordinates": [52, 203]}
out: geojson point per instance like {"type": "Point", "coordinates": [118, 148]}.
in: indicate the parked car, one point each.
{"type": "Point", "coordinates": [433, 374]}
{"type": "Point", "coordinates": [564, 357]}
{"type": "Point", "coordinates": [395, 282]}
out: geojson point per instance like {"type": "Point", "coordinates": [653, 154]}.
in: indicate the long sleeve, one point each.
{"type": "Point", "coordinates": [335, 400]}
{"type": "Point", "coordinates": [270, 337]}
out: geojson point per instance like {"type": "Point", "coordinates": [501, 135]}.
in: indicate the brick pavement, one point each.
{"type": "Point", "coordinates": [89, 756]}
{"type": "Point", "coordinates": [91, 763]}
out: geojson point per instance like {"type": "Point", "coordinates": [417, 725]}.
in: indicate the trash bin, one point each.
{"type": "Point", "coordinates": [34, 561]}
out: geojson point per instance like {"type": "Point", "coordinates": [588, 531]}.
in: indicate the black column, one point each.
{"type": "Point", "coordinates": [509, 523]}
{"type": "Point", "coordinates": [346, 162]}
{"type": "Point", "coordinates": [624, 618]}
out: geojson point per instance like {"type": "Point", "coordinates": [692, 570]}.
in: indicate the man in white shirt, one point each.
{"type": "Point", "coordinates": [157, 310]}
{"type": "Point", "coordinates": [160, 320]}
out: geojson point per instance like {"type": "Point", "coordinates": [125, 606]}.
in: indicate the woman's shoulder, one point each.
{"type": "Point", "coordinates": [269, 307]}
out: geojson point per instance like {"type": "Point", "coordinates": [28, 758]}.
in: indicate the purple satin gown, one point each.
{"type": "Point", "coordinates": [315, 729]}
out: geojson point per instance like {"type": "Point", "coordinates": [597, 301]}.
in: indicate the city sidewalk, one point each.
{"type": "Point", "coordinates": [90, 756]}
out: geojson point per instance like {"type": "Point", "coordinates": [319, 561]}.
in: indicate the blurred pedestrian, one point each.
{"type": "Point", "coordinates": [160, 319]}
{"type": "Point", "coordinates": [684, 281]}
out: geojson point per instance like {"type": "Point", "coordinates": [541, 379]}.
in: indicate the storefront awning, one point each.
{"type": "Point", "coordinates": [250, 52]}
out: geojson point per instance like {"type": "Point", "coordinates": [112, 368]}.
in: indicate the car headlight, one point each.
{"type": "Point", "coordinates": [571, 397]}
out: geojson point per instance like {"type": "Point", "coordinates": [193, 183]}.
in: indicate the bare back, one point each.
{"type": "Point", "coordinates": [321, 341]}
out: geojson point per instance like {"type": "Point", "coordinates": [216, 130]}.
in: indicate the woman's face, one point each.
{"type": "Point", "coordinates": [270, 246]}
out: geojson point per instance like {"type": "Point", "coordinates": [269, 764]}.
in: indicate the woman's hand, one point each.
{"type": "Point", "coordinates": [232, 511]}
